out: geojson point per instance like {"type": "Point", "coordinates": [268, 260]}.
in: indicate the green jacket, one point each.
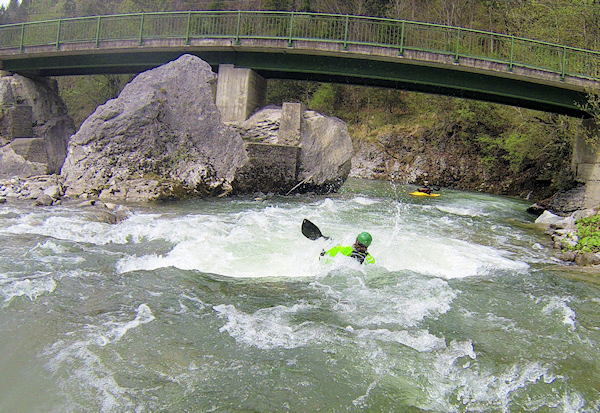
{"type": "Point", "coordinates": [349, 252]}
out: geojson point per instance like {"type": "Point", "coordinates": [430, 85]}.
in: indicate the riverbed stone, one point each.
{"type": "Point", "coordinates": [587, 259]}
{"type": "Point", "coordinates": [548, 219]}
{"type": "Point", "coordinates": [161, 138]}
{"type": "Point", "coordinates": [44, 200]}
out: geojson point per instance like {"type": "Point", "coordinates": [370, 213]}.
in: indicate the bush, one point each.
{"type": "Point", "coordinates": [588, 231]}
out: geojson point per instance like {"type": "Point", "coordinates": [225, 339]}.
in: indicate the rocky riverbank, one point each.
{"type": "Point", "coordinates": [49, 190]}
{"type": "Point", "coordinates": [563, 235]}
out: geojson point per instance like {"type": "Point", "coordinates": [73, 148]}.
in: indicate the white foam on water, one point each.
{"type": "Point", "coordinates": [444, 257]}
{"type": "Point", "coordinates": [115, 330]}
{"type": "Point", "coordinates": [401, 301]}
{"type": "Point", "coordinates": [77, 366]}
{"type": "Point", "coordinates": [462, 211]}
{"type": "Point", "coordinates": [267, 243]}
{"type": "Point", "coordinates": [31, 287]}
{"type": "Point", "coordinates": [364, 201]}
{"type": "Point", "coordinates": [561, 306]}
{"type": "Point", "coordinates": [420, 340]}
{"type": "Point", "coordinates": [270, 328]}
{"type": "Point", "coordinates": [456, 376]}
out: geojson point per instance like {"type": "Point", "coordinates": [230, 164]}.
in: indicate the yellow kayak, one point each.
{"type": "Point", "coordinates": [417, 193]}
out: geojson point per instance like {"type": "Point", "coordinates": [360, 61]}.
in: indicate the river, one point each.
{"type": "Point", "coordinates": [222, 305]}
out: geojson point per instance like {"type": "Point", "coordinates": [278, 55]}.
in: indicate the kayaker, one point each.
{"type": "Point", "coordinates": [425, 188]}
{"type": "Point", "coordinates": [358, 250]}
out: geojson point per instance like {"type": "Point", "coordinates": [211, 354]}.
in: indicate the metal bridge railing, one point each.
{"type": "Point", "coordinates": [345, 30]}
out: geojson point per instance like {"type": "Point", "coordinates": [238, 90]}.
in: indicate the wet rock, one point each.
{"type": "Point", "coordinates": [44, 200]}
{"type": "Point", "coordinates": [53, 191]}
{"type": "Point", "coordinates": [587, 259]}
{"type": "Point", "coordinates": [567, 202]}
{"type": "Point", "coordinates": [550, 220]}
{"type": "Point", "coordinates": [568, 256]}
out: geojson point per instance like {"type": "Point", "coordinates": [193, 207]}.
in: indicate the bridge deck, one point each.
{"type": "Point", "coordinates": [350, 49]}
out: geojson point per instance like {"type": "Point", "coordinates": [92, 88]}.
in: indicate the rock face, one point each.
{"type": "Point", "coordinates": [34, 127]}
{"type": "Point", "coordinates": [161, 138]}
{"type": "Point", "coordinates": [294, 150]}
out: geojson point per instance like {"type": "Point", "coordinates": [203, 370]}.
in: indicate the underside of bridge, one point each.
{"type": "Point", "coordinates": [397, 74]}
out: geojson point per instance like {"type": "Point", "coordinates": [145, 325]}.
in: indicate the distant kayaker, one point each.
{"type": "Point", "coordinates": [358, 250]}
{"type": "Point", "coordinates": [425, 188]}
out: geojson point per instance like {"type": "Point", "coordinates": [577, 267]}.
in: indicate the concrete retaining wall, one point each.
{"type": "Point", "coordinates": [270, 168]}
{"type": "Point", "coordinates": [240, 92]}
{"type": "Point", "coordinates": [586, 163]}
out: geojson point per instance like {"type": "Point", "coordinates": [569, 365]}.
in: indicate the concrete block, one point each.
{"type": "Point", "coordinates": [592, 194]}
{"type": "Point", "coordinates": [588, 172]}
{"type": "Point", "coordinates": [240, 92]}
{"type": "Point", "coordinates": [32, 149]}
{"type": "Point", "coordinates": [15, 122]}
{"type": "Point", "coordinates": [290, 125]}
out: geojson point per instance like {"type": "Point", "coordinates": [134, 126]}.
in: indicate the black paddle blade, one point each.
{"type": "Point", "coordinates": [310, 230]}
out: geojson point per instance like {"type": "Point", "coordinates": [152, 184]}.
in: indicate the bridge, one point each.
{"type": "Point", "coordinates": [247, 47]}
{"type": "Point", "coordinates": [371, 51]}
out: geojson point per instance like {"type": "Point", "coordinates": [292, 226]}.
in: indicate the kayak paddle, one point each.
{"type": "Point", "coordinates": [311, 231]}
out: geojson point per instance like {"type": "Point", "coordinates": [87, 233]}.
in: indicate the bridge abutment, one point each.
{"type": "Point", "coordinates": [586, 162]}
{"type": "Point", "coordinates": [239, 93]}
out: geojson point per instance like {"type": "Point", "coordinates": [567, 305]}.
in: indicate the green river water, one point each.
{"type": "Point", "coordinates": [222, 305]}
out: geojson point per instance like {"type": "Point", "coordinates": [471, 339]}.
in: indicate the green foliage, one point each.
{"type": "Point", "coordinates": [325, 98]}
{"type": "Point", "coordinates": [281, 5]}
{"type": "Point", "coordinates": [279, 91]}
{"type": "Point", "coordinates": [588, 232]}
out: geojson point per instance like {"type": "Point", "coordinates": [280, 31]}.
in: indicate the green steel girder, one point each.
{"type": "Point", "coordinates": [401, 74]}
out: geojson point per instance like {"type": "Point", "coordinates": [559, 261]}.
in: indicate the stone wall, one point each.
{"type": "Point", "coordinates": [270, 168]}
{"type": "Point", "coordinates": [16, 122]}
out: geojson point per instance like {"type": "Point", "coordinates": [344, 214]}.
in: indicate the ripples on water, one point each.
{"type": "Point", "coordinates": [222, 305]}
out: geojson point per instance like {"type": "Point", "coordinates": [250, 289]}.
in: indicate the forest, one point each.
{"type": "Point", "coordinates": [511, 143]}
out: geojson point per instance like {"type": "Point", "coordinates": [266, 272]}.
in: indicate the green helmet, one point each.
{"type": "Point", "coordinates": [364, 238]}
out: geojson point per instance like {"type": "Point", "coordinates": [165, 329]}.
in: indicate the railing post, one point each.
{"type": "Point", "coordinates": [98, 31]}
{"type": "Point", "coordinates": [512, 53]}
{"type": "Point", "coordinates": [141, 41]}
{"type": "Point", "coordinates": [457, 56]}
{"type": "Point", "coordinates": [58, 34]}
{"type": "Point", "coordinates": [346, 33]}
{"type": "Point", "coordinates": [187, 30]}
{"type": "Point", "coordinates": [22, 46]}
{"type": "Point", "coordinates": [239, 22]}
{"type": "Point", "coordinates": [291, 29]}
{"type": "Point", "coordinates": [564, 63]}
{"type": "Point", "coordinates": [401, 50]}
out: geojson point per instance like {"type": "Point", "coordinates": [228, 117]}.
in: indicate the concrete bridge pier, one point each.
{"type": "Point", "coordinates": [240, 92]}
{"type": "Point", "coordinates": [586, 162]}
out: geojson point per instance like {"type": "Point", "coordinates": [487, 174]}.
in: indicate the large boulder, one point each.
{"type": "Point", "coordinates": [162, 137]}
{"type": "Point", "coordinates": [326, 156]}
{"type": "Point", "coordinates": [34, 127]}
